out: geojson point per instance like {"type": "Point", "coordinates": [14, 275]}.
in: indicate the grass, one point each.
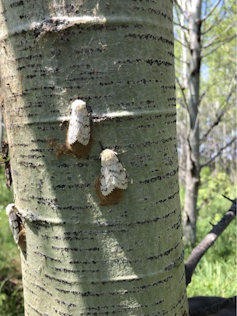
{"type": "Point", "coordinates": [214, 276]}
{"type": "Point", "coordinates": [213, 279]}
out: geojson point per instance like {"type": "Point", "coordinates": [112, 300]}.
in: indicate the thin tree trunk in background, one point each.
{"type": "Point", "coordinates": [216, 145]}
{"type": "Point", "coordinates": [1, 131]}
{"type": "Point", "coordinates": [1, 124]}
{"type": "Point", "coordinates": [83, 258]}
{"type": "Point", "coordinates": [193, 163]}
{"type": "Point", "coordinates": [183, 151]}
{"type": "Point", "coordinates": [233, 163]}
{"type": "Point", "coordinates": [224, 154]}
{"type": "Point", "coordinates": [184, 48]}
{"type": "Point", "coordinates": [182, 127]}
{"type": "Point", "coordinates": [217, 160]}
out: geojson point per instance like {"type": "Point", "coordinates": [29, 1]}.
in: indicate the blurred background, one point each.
{"type": "Point", "coordinates": [205, 63]}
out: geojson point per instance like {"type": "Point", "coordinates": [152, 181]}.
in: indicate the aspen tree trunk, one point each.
{"type": "Point", "coordinates": [182, 126]}
{"type": "Point", "coordinates": [1, 131]}
{"type": "Point", "coordinates": [83, 258]}
{"type": "Point", "coordinates": [224, 153]}
{"type": "Point", "coordinates": [193, 163]}
{"type": "Point", "coordinates": [233, 162]}
{"type": "Point", "coordinates": [183, 4]}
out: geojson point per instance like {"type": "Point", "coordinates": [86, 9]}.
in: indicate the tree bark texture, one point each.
{"type": "Point", "coordinates": [193, 163]}
{"type": "Point", "coordinates": [83, 258]}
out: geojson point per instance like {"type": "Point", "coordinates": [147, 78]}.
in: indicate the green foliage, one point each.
{"type": "Point", "coordinates": [215, 275]}
{"type": "Point", "coordinates": [212, 186]}
{"type": "Point", "coordinates": [11, 298]}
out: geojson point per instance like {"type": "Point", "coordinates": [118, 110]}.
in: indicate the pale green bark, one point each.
{"type": "Point", "coordinates": [82, 258]}
{"type": "Point", "coordinates": [192, 177]}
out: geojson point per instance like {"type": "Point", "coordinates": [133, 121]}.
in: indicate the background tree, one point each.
{"type": "Point", "coordinates": [83, 257]}
{"type": "Point", "coordinates": [204, 31]}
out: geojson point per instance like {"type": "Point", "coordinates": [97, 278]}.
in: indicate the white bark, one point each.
{"type": "Point", "coordinates": [84, 258]}
{"type": "Point", "coordinates": [184, 48]}
{"type": "Point", "coordinates": [193, 164]}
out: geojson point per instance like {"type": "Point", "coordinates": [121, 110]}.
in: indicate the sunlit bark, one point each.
{"type": "Point", "coordinates": [83, 258]}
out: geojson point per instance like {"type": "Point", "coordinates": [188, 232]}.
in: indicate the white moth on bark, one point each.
{"type": "Point", "coordinates": [14, 221]}
{"type": "Point", "coordinates": [79, 125]}
{"type": "Point", "coordinates": [113, 174]}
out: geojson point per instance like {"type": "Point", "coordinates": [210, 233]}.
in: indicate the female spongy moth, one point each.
{"type": "Point", "coordinates": [113, 175]}
{"type": "Point", "coordinates": [79, 125]}
{"type": "Point", "coordinates": [15, 221]}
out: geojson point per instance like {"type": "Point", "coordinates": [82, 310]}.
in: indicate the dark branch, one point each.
{"type": "Point", "coordinates": [226, 197]}
{"type": "Point", "coordinates": [212, 10]}
{"type": "Point", "coordinates": [218, 46]}
{"type": "Point", "coordinates": [181, 26]}
{"type": "Point", "coordinates": [199, 251]}
{"type": "Point", "coordinates": [181, 43]}
{"type": "Point", "coordinates": [180, 9]}
{"type": "Point", "coordinates": [219, 152]}
{"type": "Point", "coordinates": [216, 23]}
{"type": "Point", "coordinates": [213, 41]}
{"type": "Point", "coordinates": [207, 89]}
{"type": "Point", "coordinates": [213, 309]}
{"type": "Point", "coordinates": [182, 61]}
{"type": "Point", "coordinates": [215, 123]}
{"type": "Point", "coordinates": [219, 116]}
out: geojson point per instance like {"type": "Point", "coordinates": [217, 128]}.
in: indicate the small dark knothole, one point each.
{"type": "Point", "coordinates": [188, 220]}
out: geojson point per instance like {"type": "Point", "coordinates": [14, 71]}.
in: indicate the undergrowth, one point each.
{"type": "Point", "coordinates": [215, 274]}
